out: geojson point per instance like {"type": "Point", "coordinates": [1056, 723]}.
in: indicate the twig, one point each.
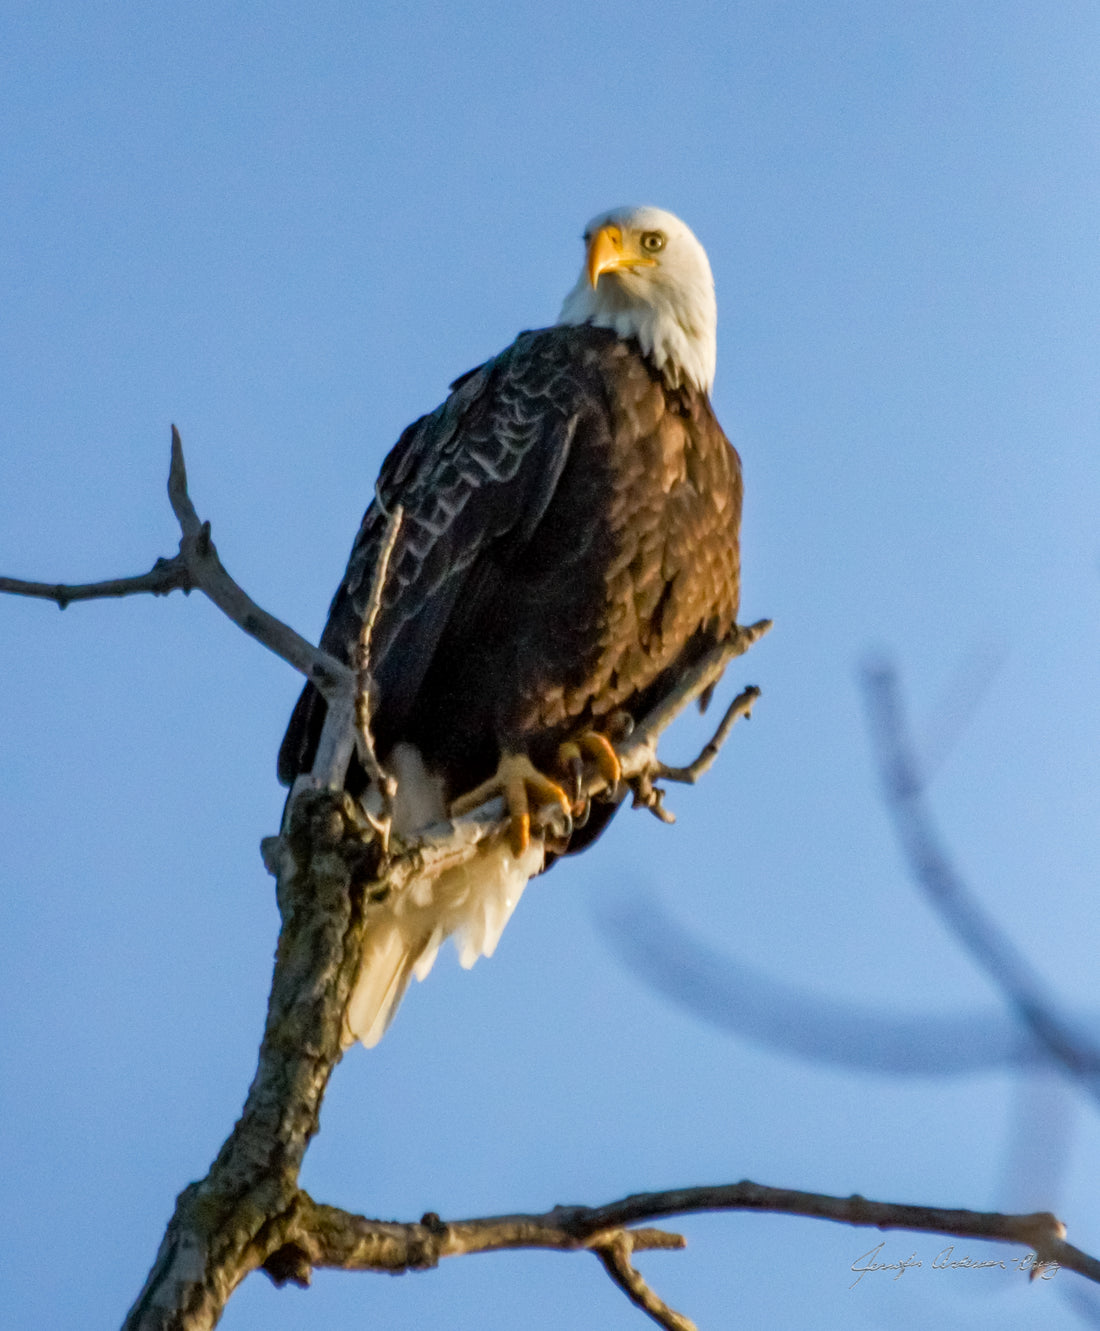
{"type": "Point", "coordinates": [638, 753]}
{"type": "Point", "coordinates": [692, 685]}
{"type": "Point", "coordinates": [740, 707]}
{"type": "Point", "coordinates": [166, 575]}
{"type": "Point", "coordinates": [178, 496]}
{"type": "Point", "coordinates": [933, 870]}
{"type": "Point", "coordinates": [383, 780]}
{"type": "Point", "coordinates": [197, 567]}
{"type": "Point", "coordinates": [615, 1254]}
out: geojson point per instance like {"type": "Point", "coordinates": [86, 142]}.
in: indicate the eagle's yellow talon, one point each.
{"type": "Point", "coordinates": [522, 786]}
{"type": "Point", "coordinates": [571, 762]}
{"type": "Point", "coordinates": [547, 791]}
{"type": "Point", "coordinates": [519, 833]}
{"type": "Point", "coordinates": [599, 749]}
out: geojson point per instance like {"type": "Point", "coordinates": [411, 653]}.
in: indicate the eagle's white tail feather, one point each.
{"type": "Point", "coordinates": [471, 903]}
{"type": "Point", "coordinates": [389, 956]}
{"type": "Point", "coordinates": [426, 960]}
{"type": "Point", "coordinates": [490, 887]}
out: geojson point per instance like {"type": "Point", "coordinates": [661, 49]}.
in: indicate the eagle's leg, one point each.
{"type": "Point", "coordinates": [598, 747]}
{"type": "Point", "coordinates": [521, 784]}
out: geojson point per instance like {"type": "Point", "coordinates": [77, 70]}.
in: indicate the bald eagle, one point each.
{"type": "Point", "coordinates": [569, 545]}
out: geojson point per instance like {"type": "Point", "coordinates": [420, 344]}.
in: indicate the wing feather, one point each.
{"type": "Point", "coordinates": [474, 479]}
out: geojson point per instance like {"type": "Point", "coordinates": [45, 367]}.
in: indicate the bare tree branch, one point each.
{"type": "Point", "coordinates": [166, 575]}
{"type": "Point", "coordinates": [312, 1236]}
{"type": "Point", "coordinates": [693, 685]}
{"type": "Point", "coordinates": [379, 777]}
{"type": "Point", "coordinates": [638, 752]}
{"type": "Point", "coordinates": [740, 707]}
{"type": "Point", "coordinates": [334, 1238]}
{"type": "Point", "coordinates": [197, 566]}
{"type": "Point", "coordinates": [615, 1254]}
{"type": "Point", "coordinates": [226, 1225]}
{"type": "Point", "coordinates": [933, 869]}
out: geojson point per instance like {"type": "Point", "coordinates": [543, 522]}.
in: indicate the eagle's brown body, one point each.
{"type": "Point", "coordinates": [569, 544]}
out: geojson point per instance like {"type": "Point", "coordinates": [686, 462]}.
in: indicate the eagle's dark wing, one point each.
{"type": "Point", "coordinates": [473, 478]}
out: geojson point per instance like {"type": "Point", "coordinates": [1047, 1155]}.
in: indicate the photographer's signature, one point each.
{"type": "Point", "coordinates": [945, 1260]}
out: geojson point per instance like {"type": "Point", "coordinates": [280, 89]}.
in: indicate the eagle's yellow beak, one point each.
{"type": "Point", "coordinates": [608, 251]}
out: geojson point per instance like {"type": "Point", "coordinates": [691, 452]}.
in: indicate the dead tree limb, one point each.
{"type": "Point", "coordinates": [249, 1214]}
{"type": "Point", "coordinates": [337, 1239]}
{"type": "Point", "coordinates": [197, 567]}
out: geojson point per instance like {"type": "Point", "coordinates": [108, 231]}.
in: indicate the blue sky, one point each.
{"type": "Point", "coordinates": [287, 230]}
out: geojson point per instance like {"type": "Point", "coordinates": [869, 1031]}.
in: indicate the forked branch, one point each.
{"type": "Point", "coordinates": [197, 567]}
{"type": "Point", "coordinates": [335, 1238]}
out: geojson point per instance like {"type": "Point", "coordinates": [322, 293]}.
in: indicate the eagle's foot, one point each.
{"type": "Point", "coordinates": [523, 787]}
{"type": "Point", "coordinates": [597, 747]}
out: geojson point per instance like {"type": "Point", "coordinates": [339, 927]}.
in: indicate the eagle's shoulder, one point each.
{"type": "Point", "coordinates": [543, 374]}
{"type": "Point", "coordinates": [562, 360]}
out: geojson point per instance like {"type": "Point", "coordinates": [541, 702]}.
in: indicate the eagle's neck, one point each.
{"type": "Point", "coordinates": [674, 326]}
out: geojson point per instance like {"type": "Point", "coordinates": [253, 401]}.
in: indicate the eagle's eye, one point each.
{"type": "Point", "coordinates": [653, 241]}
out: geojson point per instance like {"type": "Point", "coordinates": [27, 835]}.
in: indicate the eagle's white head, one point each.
{"type": "Point", "coordinates": [647, 277]}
